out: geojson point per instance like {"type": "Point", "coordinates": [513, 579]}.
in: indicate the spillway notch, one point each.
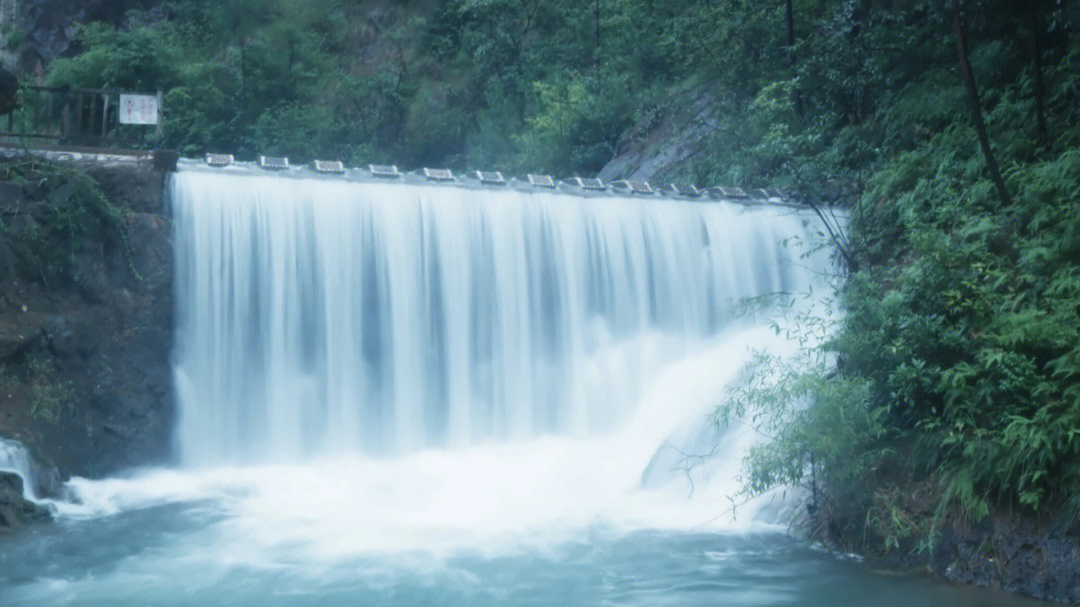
{"type": "Point", "coordinates": [330, 167]}
{"type": "Point", "coordinates": [587, 183]}
{"type": "Point", "coordinates": [776, 194]}
{"type": "Point", "coordinates": [384, 171]}
{"type": "Point", "coordinates": [728, 193]}
{"type": "Point", "coordinates": [541, 181]}
{"type": "Point", "coordinates": [758, 194]}
{"type": "Point", "coordinates": [688, 191]}
{"type": "Point", "coordinates": [273, 163]}
{"type": "Point", "coordinates": [438, 174]}
{"type": "Point", "coordinates": [219, 160]}
{"type": "Point", "coordinates": [491, 178]}
{"type": "Point", "coordinates": [634, 187]}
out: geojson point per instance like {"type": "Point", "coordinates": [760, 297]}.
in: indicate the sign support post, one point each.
{"type": "Point", "coordinates": [160, 109]}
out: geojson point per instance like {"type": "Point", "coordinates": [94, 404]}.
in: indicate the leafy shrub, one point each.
{"type": "Point", "coordinates": [50, 397]}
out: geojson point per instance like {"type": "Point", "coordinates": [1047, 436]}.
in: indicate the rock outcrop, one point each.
{"type": "Point", "coordinates": [662, 144]}
{"type": "Point", "coordinates": [46, 29]}
{"type": "Point", "coordinates": [86, 317]}
{"type": "Point", "coordinates": [15, 510]}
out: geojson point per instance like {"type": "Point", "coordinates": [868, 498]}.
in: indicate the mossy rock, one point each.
{"type": "Point", "coordinates": [15, 510]}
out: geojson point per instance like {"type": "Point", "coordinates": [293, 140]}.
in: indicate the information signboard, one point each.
{"type": "Point", "coordinates": [138, 109]}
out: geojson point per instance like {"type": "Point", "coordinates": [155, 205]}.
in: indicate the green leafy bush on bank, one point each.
{"type": "Point", "coordinates": [70, 205]}
{"type": "Point", "coordinates": [949, 389]}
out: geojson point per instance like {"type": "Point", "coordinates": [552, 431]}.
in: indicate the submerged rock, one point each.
{"type": "Point", "coordinates": [15, 509]}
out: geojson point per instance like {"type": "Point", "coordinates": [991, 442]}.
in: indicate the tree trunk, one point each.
{"type": "Point", "coordinates": [1040, 90]}
{"type": "Point", "coordinates": [976, 110]}
{"type": "Point", "coordinates": [790, 18]}
{"type": "Point", "coordinates": [292, 52]}
{"type": "Point", "coordinates": [243, 70]}
{"type": "Point", "coordinates": [596, 46]}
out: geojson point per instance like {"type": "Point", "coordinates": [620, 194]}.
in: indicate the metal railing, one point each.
{"type": "Point", "coordinates": [76, 117]}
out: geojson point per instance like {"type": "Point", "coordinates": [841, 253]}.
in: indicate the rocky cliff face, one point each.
{"type": "Point", "coordinates": [38, 31]}
{"type": "Point", "coordinates": [666, 141]}
{"type": "Point", "coordinates": [85, 314]}
{"type": "Point", "coordinates": [15, 510]}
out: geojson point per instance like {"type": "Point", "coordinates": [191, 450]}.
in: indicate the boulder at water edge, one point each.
{"type": "Point", "coordinates": [15, 510]}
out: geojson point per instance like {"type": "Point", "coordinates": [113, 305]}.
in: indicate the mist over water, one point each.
{"type": "Point", "coordinates": [406, 394]}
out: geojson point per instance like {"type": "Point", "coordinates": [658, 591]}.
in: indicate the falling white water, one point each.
{"type": "Point", "coordinates": [14, 458]}
{"type": "Point", "coordinates": [319, 317]}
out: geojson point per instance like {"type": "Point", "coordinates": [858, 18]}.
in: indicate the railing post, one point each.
{"type": "Point", "coordinates": [93, 120]}
{"type": "Point", "coordinates": [18, 106]}
{"type": "Point", "coordinates": [49, 124]}
{"type": "Point", "coordinates": [104, 117]}
{"type": "Point", "coordinates": [160, 119]}
{"type": "Point", "coordinates": [65, 116]}
{"type": "Point", "coordinates": [79, 132]}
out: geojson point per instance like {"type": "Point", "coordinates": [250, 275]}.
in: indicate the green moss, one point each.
{"type": "Point", "coordinates": [50, 396]}
{"type": "Point", "coordinates": [77, 209]}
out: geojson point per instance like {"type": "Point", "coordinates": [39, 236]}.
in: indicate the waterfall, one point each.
{"type": "Point", "coordinates": [322, 316]}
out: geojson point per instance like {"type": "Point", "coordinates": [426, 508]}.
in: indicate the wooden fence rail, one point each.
{"type": "Point", "coordinates": [78, 117]}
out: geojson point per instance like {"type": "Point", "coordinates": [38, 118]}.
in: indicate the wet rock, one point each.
{"type": "Point", "coordinates": [50, 27]}
{"type": "Point", "coordinates": [61, 336]}
{"type": "Point", "coordinates": [97, 346]}
{"type": "Point", "coordinates": [47, 482]}
{"type": "Point", "coordinates": [62, 194]}
{"type": "Point", "coordinates": [166, 160]}
{"type": "Point", "coordinates": [15, 339]}
{"type": "Point", "coordinates": [1035, 558]}
{"type": "Point", "coordinates": [9, 92]}
{"type": "Point", "coordinates": [73, 336]}
{"type": "Point", "coordinates": [664, 140]}
{"type": "Point", "coordinates": [136, 186]}
{"type": "Point", "coordinates": [91, 275]}
{"type": "Point", "coordinates": [149, 236]}
{"type": "Point", "coordinates": [33, 190]}
{"type": "Point", "coordinates": [1025, 557]}
{"type": "Point", "coordinates": [15, 510]}
{"type": "Point", "coordinates": [10, 194]}
{"type": "Point", "coordinates": [119, 431]}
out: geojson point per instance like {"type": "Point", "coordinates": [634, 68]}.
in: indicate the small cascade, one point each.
{"type": "Point", "coordinates": [15, 458]}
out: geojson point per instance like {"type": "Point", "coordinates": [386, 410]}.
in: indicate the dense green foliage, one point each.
{"type": "Point", "coordinates": [949, 387]}
{"type": "Point", "coordinates": [497, 83]}
{"type": "Point", "coordinates": [953, 376]}
{"type": "Point", "coordinates": [44, 238]}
